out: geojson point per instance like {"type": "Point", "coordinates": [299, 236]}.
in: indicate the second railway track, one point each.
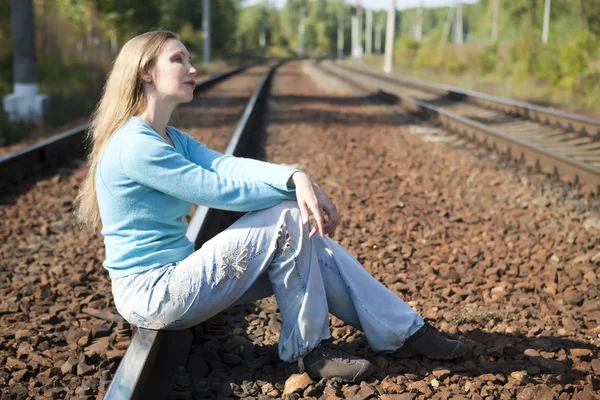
{"type": "Point", "coordinates": [554, 141]}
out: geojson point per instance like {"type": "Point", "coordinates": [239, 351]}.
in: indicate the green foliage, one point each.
{"type": "Point", "coordinates": [488, 58]}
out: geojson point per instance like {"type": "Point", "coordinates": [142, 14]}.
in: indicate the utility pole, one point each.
{"type": "Point", "coordinates": [495, 20]}
{"type": "Point", "coordinates": [25, 103]}
{"type": "Point", "coordinates": [206, 28]}
{"type": "Point", "coordinates": [378, 30]}
{"type": "Point", "coordinates": [389, 37]}
{"type": "Point", "coordinates": [458, 27]}
{"type": "Point", "coordinates": [369, 32]}
{"type": "Point", "coordinates": [262, 39]}
{"type": "Point", "coordinates": [356, 28]}
{"type": "Point", "coordinates": [419, 27]}
{"type": "Point", "coordinates": [301, 29]}
{"type": "Point", "coordinates": [340, 34]}
{"type": "Point", "coordinates": [447, 25]}
{"type": "Point", "coordinates": [546, 22]}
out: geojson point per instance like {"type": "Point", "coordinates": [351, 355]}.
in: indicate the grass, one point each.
{"type": "Point", "coordinates": [528, 89]}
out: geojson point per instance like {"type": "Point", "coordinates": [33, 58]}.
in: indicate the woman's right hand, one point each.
{"type": "Point", "coordinates": [312, 199]}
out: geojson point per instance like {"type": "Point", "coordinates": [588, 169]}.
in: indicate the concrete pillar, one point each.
{"type": "Point", "coordinates": [26, 103]}
{"type": "Point", "coordinates": [340, 35]}
{"type": "Point", "coordinates": [262, 41]}
{"type": "Point", "coordinates": [495, 18]}
{"type": "Point", "coordinates": [207, 31]}
{"type": "Point", "coordinates": [378, 31]}
{"type": "Point", "coordinates": [389, 37]}
{"type": "Point", "coordinates": [546, 27]}
{"type": "Point", "coordinates": [301, 30]}
{"type": "Point", "coordinates": [458, 26]}
{"type": "Point", "coordinates": [356, 32]}
{"type": "Point", "coordinates": [369, 32]}
{"type": "Point", "coordinates": [419, 25]}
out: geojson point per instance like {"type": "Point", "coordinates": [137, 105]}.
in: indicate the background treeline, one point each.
{"type": "Point", "coordinates": [78, 39]}
{"type": "Point", "coordinates": [568, 65]}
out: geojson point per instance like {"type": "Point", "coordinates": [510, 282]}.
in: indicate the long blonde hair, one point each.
{"type": "Point", "coordinates": [123, 98]}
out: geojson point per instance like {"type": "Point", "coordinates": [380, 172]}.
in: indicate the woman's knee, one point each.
{"type": "Point", "coordinates": [287, 209]}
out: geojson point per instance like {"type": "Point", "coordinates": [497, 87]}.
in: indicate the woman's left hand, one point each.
{"type": "Point", "coordinates": [330, 210]}
{"type": "Point", "coordinates": [312, 199]}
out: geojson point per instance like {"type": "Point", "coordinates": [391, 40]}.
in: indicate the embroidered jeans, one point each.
{"type": "Point", "coordinates": [310, 278]}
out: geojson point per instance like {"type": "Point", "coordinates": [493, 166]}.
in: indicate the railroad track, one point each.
{"type": "Point", "coordinates": [559, 143]}
{"type": "Point", "coordinates": [147, 368]}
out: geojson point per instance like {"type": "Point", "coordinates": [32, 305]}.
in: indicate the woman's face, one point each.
{"type": "Point", "coordinates": [172, 77]}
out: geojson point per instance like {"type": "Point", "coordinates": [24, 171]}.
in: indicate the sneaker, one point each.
{"type": "Point", "coordinates": [428, 342]}
{"type": "Point", "coordinates": [328, 361]}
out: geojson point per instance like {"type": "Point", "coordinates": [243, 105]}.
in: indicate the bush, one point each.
{"type": "Point", "coordinates": [487, 59]}
{"type": "Point", "coordinates": [577, 57]}
{"type": "Point", "coordinates": [405, 50]}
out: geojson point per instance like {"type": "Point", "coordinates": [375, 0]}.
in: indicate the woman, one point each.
{"type": "Point", "coordinates": [143, 178]}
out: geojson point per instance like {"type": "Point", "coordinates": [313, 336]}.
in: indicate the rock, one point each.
{"type": "Point", "coordinates": [553, 366]}
{"type": "Point", "coordinates": [366, 391]}
{"type": "Point", "coordinates": [84, 369]}
{"type": "Point", "coordinates": [591, 223]}
{"type": "Point", "coordinates": [231, 359]}
{"type": "Point", "coordinates": [538, 392]}
{"type": "Point", "coordinates": [391, 387]}
{"type": "Point", "coordinates": [519, 376]}
{"type": "Point", "coordinates": [581, 353]}
{"type": "Point", "coordinates": [68, 366]}
{"type": "Point", "coordinates": [267, 387]}
{"type": "Point", "coordinates": [403, 396]}
{"type": "Point", "coordinates": [13, 363]}
{"type": "Point", "coordinates": [100, 330]}
{"type": "Point", "coordinates": [440, 372]}
{"type": "Point", "coordinates": [381, 362]}
{"type": "Point", "coordinates": [18, 376]}
{"type": "Point", "coordinates": [98, 346]}
{"type": "Point", "coordinates": [22, 334]}
{"type": "Point", "coordinates": [596, 365]}
{"type": "Point", "coordinates": [531, 353]}
{"type": "Point", "coordinates": [572, 297]}
{"type": "Point", "coordinates": [296, 383]}
{"type": "Point", "coordinates": [310, 391]}
{"type": "Point", "coordinates": [197, 366]}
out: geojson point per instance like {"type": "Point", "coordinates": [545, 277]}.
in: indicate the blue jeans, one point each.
{"type": "Point", "coordinates": [310, 278]}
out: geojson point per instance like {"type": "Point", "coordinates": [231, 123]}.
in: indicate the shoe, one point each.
{"type": "Point", "coordinates": [428, 342]}
{"type": "Point", "coordinates": [329, 361]}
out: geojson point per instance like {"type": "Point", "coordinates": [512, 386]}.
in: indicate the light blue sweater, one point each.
{"type": "Point", "coordinates": [145, 187]}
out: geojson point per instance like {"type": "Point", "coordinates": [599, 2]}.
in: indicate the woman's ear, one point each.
{"type": "Point", "coordinates": [146, 76]}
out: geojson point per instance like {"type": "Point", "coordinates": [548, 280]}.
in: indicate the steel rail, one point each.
{"type": "Point", "coordinates": [516, 147]}
{"type": "Point", "coordinates": [582, 125]}
{"type": "Point", "coordinates": [71, 143]}
{"type": "Point", "coordinates": [146, 370]}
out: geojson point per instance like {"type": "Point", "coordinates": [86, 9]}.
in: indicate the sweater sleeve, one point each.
{"type": "Point", "coordinates": [230, 166]}
{"type": "Point", "coordinates": [150, 161]}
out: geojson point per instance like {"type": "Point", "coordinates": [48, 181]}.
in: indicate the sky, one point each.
{"type": "Point", "coordinates": [383, 4]}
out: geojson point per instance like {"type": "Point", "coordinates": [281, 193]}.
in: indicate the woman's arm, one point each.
{"type": "Point", "coordinates": [153, 163]}
{"type": "Point", "coordinates": [274, 175]}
